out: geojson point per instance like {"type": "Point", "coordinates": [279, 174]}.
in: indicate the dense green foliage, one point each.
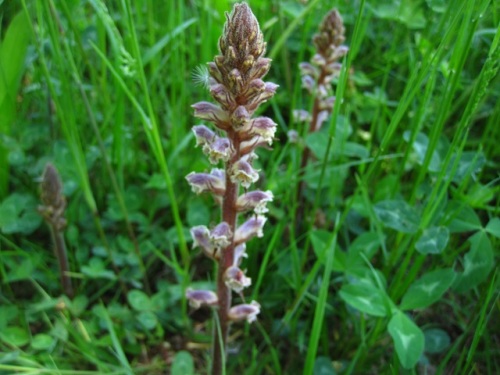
{"type": "Point", "coordinates": [393, 269]}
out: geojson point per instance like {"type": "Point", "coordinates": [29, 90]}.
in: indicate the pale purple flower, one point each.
{"type": "Point", "coordinates": [250, 228]}
{"type": "Point", "coordinates": [242, 172]}
{"type": "Point", "coordinates": [198, 298]}
{"type": "Point", "coordinates": [235, 279]}
{"type": "Point", "coordinates": [265, 127]}
{"type": "Point", "coordinates": [247, 311]}
{"type": "Point", "coordinates": [214, 182]}
{"type": "Point", "coordinates": [301, 115]}
{"type": "Point", "coordinates": [212, 241]}
{"type": "Point", "coordinates": [239, 254]}
{"type": "Point", "coordinates": [211, 112]}
{"type": "Point", "coordinates": [203, 135]}
{"type": "Point", "coordinates": [254, 200]}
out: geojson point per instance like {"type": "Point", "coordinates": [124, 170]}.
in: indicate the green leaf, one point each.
{"type": "Point", "coordinates": [408, 339]}
{"type": "Point", "coordinates": [96, 269]}
{"type": "Point", "coordinates": [18, 214]}
{"type": "Point", "coordinates": [398, 215]}
{"type": "Point", "coordinates": [15, 336]}
{"type": "Point", "coordinates": [493, 227]}
{"type": "Point", "coordinates": [478, 263]}
{"type": "Point", "coordinates": [436, 340]}
{"type": "Point", "coordinates": [366, 298]}
{"type": "Point", "coordinates": [470, 163]}
{"type": "Point", "coordinates": [364, 246]}
{"type": "Point", "coordinates": [428, 289]}
{"type": "Point", "coordinates": [148, 319]}
{"type": "Point", "coordinates": [197, 212]}
{"type": "Point", "coordinates": [465, 219]}
{"type": "Point", "coordinates": [42, 341]}
{"type": "Point", "coordinates": [183, 364]}
{"type": "Point", "coordinates": [420, 146]}
{"type": "Point", "coordinates": [323, 366]}
{"type": "Point", "coordinates": [139, 300]}
{"type": "Point", "coordinates": [433, 240]}
{"type": "Point", "coordinates": [319, 241]}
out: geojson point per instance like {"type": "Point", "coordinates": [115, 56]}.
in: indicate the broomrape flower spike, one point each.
{"type": "Point", "coordinates": [236, 85]}
{"type": "Point", "coordinates": [317, 78]}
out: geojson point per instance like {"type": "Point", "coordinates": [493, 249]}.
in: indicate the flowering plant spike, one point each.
{"type": "Point", "coordinates": [317, 77]}
{"type": "Point", "coordinates": [236, 85]}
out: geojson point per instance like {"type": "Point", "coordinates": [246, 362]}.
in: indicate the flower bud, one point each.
{"type": "Point", "coordinates": [247, 311]}
{"type": "Point", "coordinates": [198, 298]}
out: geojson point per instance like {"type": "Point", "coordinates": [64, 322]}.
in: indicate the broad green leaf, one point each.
{"type": "Point", "coordinates": [465, 219]}
{"type": "Point", "coordinates": [18, 214]}
{"type": "Point", "coordinates": [15, 336]}
{"type": "Point", "coordinates": [364, 246]}
{"type": "Point", "coordinates": [398, 215]}
{"type": "Point", "coordinates": [323, 366]}
{"type": "Point", "coordinates": [319, 240]}
{"type": "Point", "coordinates": [42, 341]}
{"type": "Point", "coordinates": [433, 240]}
{"type": "Point", "coordinates": [428, 289]}
{"type": "Point", "coordinates": [493, 227]}
{"type": "Point", "coordinates": [408, 339]}
{"type": "Point", "coordinates": [477, 264]}
{"type": "Point", "coordinates": [197, 213]}
{"type": "Point", "coordinates": [183, 364]}
{"type": "Point", "coordinates": [436, 340]}
{"type": "Point", "coordinates": [147, 319]}
{"type": "Point", "coordinates": [470, 163]}
{"type": "Point", "coordinates": [139, 300]}
{"type": "Point", "coordinates": [7, 313]}
{"type": "Point", "coordinates": [365, 298]}
{"type": "Point", "coordinates": [420, 146]}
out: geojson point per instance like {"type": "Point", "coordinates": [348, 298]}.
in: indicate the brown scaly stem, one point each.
{"type": "Point", "coordinates": [229, 215]}
{"type": "Point", "coordinates": [62, 258]}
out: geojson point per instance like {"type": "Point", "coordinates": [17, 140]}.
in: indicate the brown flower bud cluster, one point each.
{"type": "Point", "coordinates": [54, 203]}
{"type": "Point", "coordinates": [237, 86]}
{"type": "Point", "coordinates": [318, 75]}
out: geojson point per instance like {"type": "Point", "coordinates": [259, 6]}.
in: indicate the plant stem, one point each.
{"type": "Point", "coordinates": [229, 215]}
{"type": "Point", "coordinates": [62, 258]}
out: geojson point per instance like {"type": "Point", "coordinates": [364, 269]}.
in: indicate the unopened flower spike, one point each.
{"type": "Point", "coordinates": [237, 86]}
